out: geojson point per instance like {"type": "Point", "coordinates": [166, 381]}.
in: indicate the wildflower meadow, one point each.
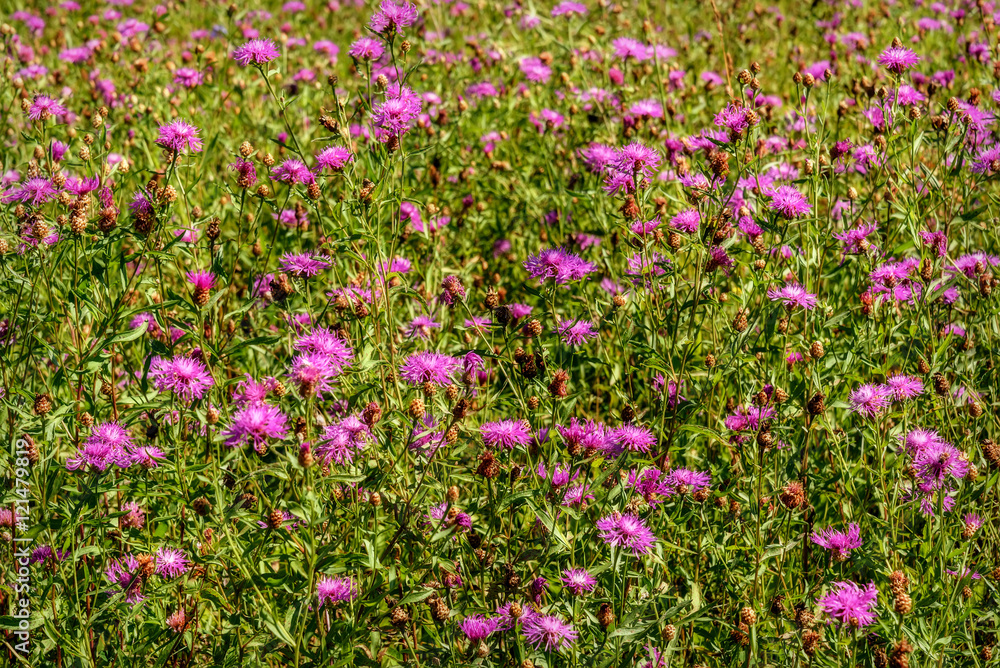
{"type": "Point", "coordinates": [580, 334]}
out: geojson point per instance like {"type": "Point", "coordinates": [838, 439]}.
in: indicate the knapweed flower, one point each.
{"type": "Point", "coordinates": [898, 59]}
{"type": "Point", "coordinates": [787, 202]}
{"type": "Point", "coordinates": [335, 590]}
{"type": "Point", "coordinates": [187, 377]}
{"type": "Point", "coordinates": [293, 171]}
{"type": "Point", "coordinates": [636, 159]}
{"type": "Point", "coordinates": [629, 437]}
{"type": "Point", "coordinates": [686, 221]}
{"type": "Point", "coordinates": [839, 542]}
{"type": "Point", "coordinates": [869, 400]}
{"type": "Point", "coordinates": [342, 440]}
{"type": "Point", "coordinates": [326, 342]}
{"type": "Point", "coordinates": [576, 332]}
{"type": "Point", "coordinates": [303, 265]}
{"type": "Point", "coordinates": [904, 387]}
{"type": "Point", "coordinates": [392, 16]}
{"type": "Point", "coordinates": [578, 581]}
{"type": "Point", "coordinates": [42, 108]}
{"type": "Point", "coordinates": [851, 605]}
{"type": "Point", "coordinates": [627, 532]}
{"type": "Point", "coordinates": [938, 463]}
{"type": "Point", "coordinates": [535, 70]}
{"type": "Point", "coordinates": [256, 52]}
{"type": "Point", "coordinates": [256, 424]}
{"type": "Point", "coordinates": [179, 137]}
{"type": "Point", "coordinates": [506, 434]}
{"type": "Point", "coordinates": [569, 8]}
{"type": "Point", "coordinates": [366, 48]}
{"type": "Point", "coordinates": [127, 576]}
{"type": "Point", "coordinates": [558, 265]}
{"type": "Point", "coordinates": [109, 444]}
{"type": "Point", "coordinates": [478, 627]}
{"type": "Point", "coordinates": [34, 191]}
{"type": "Point", "coordinates": [246, 173]}
{"type": "Point", "coordinates": [203, 282]}
{"type": "Point", "coordinates": [171, 562]}
{"type": "Point", "coordinates": [334, 158]}
{"type": "Point", "coordinates": [548, 631]}
{"type": "Point", "coordinates": [394, 117]}
{"type": "Point", "coordinates": [188, 77]}
{"type": "Point", "coordinates": [792, 296]}
{"type": "Point", "coordinates": [428, 367]}
{"type": "Point", "coordinates": [312, 373]}
{"type": "Point", "coordinates": [687, 481]}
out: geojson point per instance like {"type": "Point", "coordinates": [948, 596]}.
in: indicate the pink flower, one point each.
{"type": "Point", "coordinates": [792, 296]}
{"type": "Point", "coordinates": [335, 589]}
{"type": "Point", "coordinates": [256, 52]}
{"type": "Point", "coordinates": [839, 542]}
{"type": "Point", "coordinates": [179, 136]}
{"type": "Point", "coordinates": [393, 16]}
{"type": "Point", "coordinates": [627, 532]}
{"type": "Point", "coordinates": [851, 605]}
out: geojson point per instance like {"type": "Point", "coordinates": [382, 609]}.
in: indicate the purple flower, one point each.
{"type": "Point", "coordinates": [334, 158]}
{"type": "Point", "coordinates": [366, 48]}
{"type": "Point", "coordinates": [567, 8]}
{"type": "Point", "coordinates": [898, 59]}
{"type": "Point", "coordinates": [851, 605]}
{"type": "Point", "coordinates": [636, 159]}
{"type": "Point", "coordinates": [341, 440]}
{"type": "Point", "coordinates": [428, 367]}
{"type": "Point", "coordinates": [303, 265]}
{"type": "Point", "coordinates": [937, 462]}
{"type": "Point", "coordinates": [626, 47]}
{"type": "Point", "coordinates": [792, 296]}
{"type": "Point", "coordinates": [478, 627]}
{"type": "Point", "coordinates": [506, 434]}
{"type": "Point", "coordinates": [686, 221]}
{"type": "Point", "coordinates": [256, 424]}
{"type": "Point", "coordinates": [246, 172]}
{"type": "Point", "coordinates": [396, 114]}
{"type": "Point", "coordinates": [392, 17]}
{"type": "Point", "coordinates": [187, 377]}
{"type": "Point", "coordinates": [559, 265]}
{"type": "Point", "coordinates": [869, 400]}
{"type": "Point", "coordinates": [336, 589]}
{"type": "Point", "coordinates": [839, 542]}
{"type": "Point", "coordinates": [629, 437]}
{"type": "Point", "coordinates": [109, 444]}
{"type": "Point", "coordinates": [548, 631]}
{"type": "Point", "coordinates": [179, 136]}
{"type": "Point", "coordinates": [256, 52]}
{"type": "Point", "coordinates": [576, 332]}
{"type": "Point", "coordinates": [171, 563]}
{"type": "Point", "coordinates": [126, 578]}
{"type": "Point", "coordinates": [326, 342]}
{"type": "Point", "coordinates": [535, 70]}
{"type": "Point", "coordinates": [313, 373]}
{"type": "Point", "coordinates": [293, 171]}
{"type": "Point", "coordinates": [42, 108]}
{"type": "Point", "coordinates": [787, 202]}
{"type": "Point", "coordinates": [686, 480]}
{"type": "Point", "coordinates": [627, 532]}
{"type": "Point", "coordinates": [578, 580]}
{"type": "Point", "coordinates": [34, 191]}
{"type": "Point", "coordinates": [188, 77]}
{"type": "Point", "coordinates": [904, 387]}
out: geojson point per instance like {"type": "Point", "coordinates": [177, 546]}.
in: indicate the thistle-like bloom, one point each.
{"type": "Point", "coordinates": [869, 400]}
{"type": "Point", "coordinates": [788, 202]}
{"type": "Point", "coordinates": [325, 342]}
{"type": "Point", "coordinates": [256, 52]}
{"type": "Point", "coordinates": [428, 367]}
{"type": "Point", "coordinates": [569, 8]}
{"type": "Point", "coordinates": [839, 542]}
{"type": "Point", "coordinates": [109, 444]}
{"type": "Point", "coordinates": [938, 463]}
{"type": "Point", "coordinates": [293, 171]}
{"type": "Point", "coordinates": [342, 440]}
{"type": "Point", "coordinates": [188, 77]}
{"type": "Point", "coordinates": [686, 221]}
{"type": "Point", "coordinates": [478, 627]}
{"type": "Point", "coordinates": [506, 434]}
{"type": "Point", "coordinates": [179, 137]}
{"type": "Point", "coordinates": [246, 172]}
{"type": "Point", "coordinates": [578, 580]}
{"type": "Point", "coordinates": [686, 480]}
{"type": "Point", "coordinates": [559, 265]}
{"type": "Point", "coordinates": [334, 158]}
{"type": "Point", "coordinates": [535, 70]}
{"type": "Point", "coordinates": [366, 48]}
{"type": "Point", "coordinates": [34, 191]}
{"type": "Point", "coordinates": [792, 296]}
{"type": "Point", "coordinates": [303, 265]}
{"type": "Point", "coordinates": [898, 59]}
{"type": "Point", "coordinates": [850, 604]}
{"type": "Point", "coordinates": [395, 116]}
{"type": "Point", "coordinates": [576, 332]}
{"type": "Point", "coordinates": [392, 16]}
{"type": "Point", "coordinates": [43, 107]}
{"type": "Point", "coordinates": [627, 532]}
{"type": "Point", "coordinates": [904, 387]}
{"type": "Point", "coordinates": [626, 47]}
{"type": "Point", "coordinates": [186, 377]}
{"type": "Point", "coordinates": [548, 631]}
{"type": "Point", "coordinates": [256, 424]}
{"type": "Point", "coordinates": [636, 159]}
{"type": "Point", "coordinates": [171, 562]}
{"type": "Point", "coordinates": [313, 374]}
{"type": "Point", "coordinates": [629, 437]}
{"type": "Point", "coordinates": [335, 590]}
{"type": "Point", "coordinates": [203, 281]}
{"type": "Point", "coordinates": [126, 577]}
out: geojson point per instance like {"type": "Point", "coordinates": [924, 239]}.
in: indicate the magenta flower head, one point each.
{"type": "Point", "coordinates": [246, 172]}
{"type": "Point", "coordinates": [366, 48]}
{"type": "Point", "coordinates": [629, 437]}
{"type": "Point", "coordinates": [898, 59]}
{"type": "Point", "coordinates": [392, 16]}
{"type": "Point", "coordinates": [558, 265]}
{"type": "Point", "coordinates": [43, 108]}
{"type": "Point", "coordinates": [335, 590]}
{"type": "Point", "coordinates": [428, 367]}
{"type": "Point", "coordinates": [627, 532]}
{"type": "Point", "coordinates": [334, 158]}
{"type": "Point", "coordinates": [395, 116]}
{"type": "Point", "coordinates": [179, 137]}
{"type": "Point", "coordinates": [303, 265]}
{"type": "Point", "coordinates": [851, 605]}
{"type": "Point", "coordinates": [507, 434]}
{"type": "Point", "coordinates": [478, 627]}
{"type": "Point", "coordinates": [187, 377]}
{"type": "Point", "coordinates": [256, 52]}
{"type": "Point", "coordinates": [869, 400]}
{"type": "Point", "coordinates": [171, 562]}
{"type": "Point", "coordinates": [576, 332]}
{"type": "Point", "coordinates": [293, 171]}
{"type": "Point", "coordinates": [569, 8]}
{"type": "Point", "coordinates": [109, 444]}
{"type": "Point", "coordinates": [578, 581]}
{"type": "Point", "coordinates": [904, 387]}
{"type": "Point", "coordinates": [787, 202]}
{"type": "Point", "coordinates": [839, 542]}
{"type": "Point", "coordinates": [792, 296]}
{"type": "Point", "coordinates": [548, 631]}
{"type": "Point", "coordinates": [256, 424]}
{"type": "Point", "coordinates": [203, 282]}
